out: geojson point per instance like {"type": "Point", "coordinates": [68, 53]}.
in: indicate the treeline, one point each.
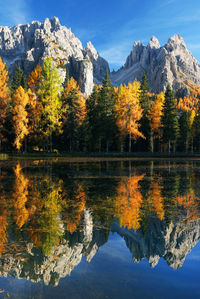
{"type": "Point", "coordinates": [43, 113]}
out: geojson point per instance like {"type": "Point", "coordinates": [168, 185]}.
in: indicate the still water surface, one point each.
{"type": "Point", "coordinates": [123, 229]}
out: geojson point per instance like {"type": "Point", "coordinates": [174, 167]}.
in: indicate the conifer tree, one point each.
{"type": "Point", "coordinates": [129, 112]}
{"type": "Point", "coordinates": [20, 116]}
{"type": "Point", "coordinates": [145, 103]}
{"type": "Point", "coordinates": [169, 119]}
{"type": "Point", "coordinates": [93, 118]}
{"type": "Point", "coordinates": [74, 111]}
{"type": "Point", "coordinates": [196, 129]}
{"type": "Point", "coordinates": [106, 107]}
{"type": "Point", "coordinates": [18, 80]}
{"type": "Point", "coordinates": [4, 98]}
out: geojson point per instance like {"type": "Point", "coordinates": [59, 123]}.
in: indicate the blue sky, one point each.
{"type": "Point", "coordinates": [113, 25]}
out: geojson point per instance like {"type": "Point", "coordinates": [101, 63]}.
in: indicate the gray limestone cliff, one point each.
{"type": "Point", "coordinates": [27, 45]}
{"type": "Point", "coordinates": [35, 266]}
{"type": "Point", "coordinates": [170, 64]}
{"type": "Point", "coordinates": [100, 65]}
{"type": "Point", "coordinates": [172, 242]}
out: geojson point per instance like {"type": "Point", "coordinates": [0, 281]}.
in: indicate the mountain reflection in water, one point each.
{"type": "Point", "coordinates": [52, 214]}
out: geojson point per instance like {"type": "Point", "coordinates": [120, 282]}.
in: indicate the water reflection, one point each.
{"type": "Point", "coordinates": [53, 214]}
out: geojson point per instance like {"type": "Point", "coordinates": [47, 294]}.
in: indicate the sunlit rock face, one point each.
{"type": "Point", "coordinates": [33, 265]}
{"type": "Point", "coordinates": [171, 64]}
{"type": "Point", "coordinates": [172, 242]}
{"type": "Point", "coordinates": [100, 65]}
{"type": "Point", "coordinates": [27, 45]}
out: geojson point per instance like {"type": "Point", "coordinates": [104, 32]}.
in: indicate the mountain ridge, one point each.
{"type": "Point", "coordinates": [27, 45]}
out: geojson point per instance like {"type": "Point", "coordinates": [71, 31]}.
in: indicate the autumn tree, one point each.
{"type": "Point", "coordinates": [128, 202]}
{"type": "Point", "coordinates": [20, 197]}
{"type": "Point", "coordinates": [169, 119]}
{"type": "Point", "coordinates": [35, 79]}
{"type": "Point", "coordinates": [50, 94]}
{"type": "Point", "coordinates": [20, 116]}
{"type": "Point", "coordinates": [4, 98]}
{"type": "Point", "coordinates": [129, 112]}
{"type": "Point", "coordinates": [155, 119]}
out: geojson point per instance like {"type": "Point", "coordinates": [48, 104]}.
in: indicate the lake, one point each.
{"type": "Point", "coordinates": [107, 229]}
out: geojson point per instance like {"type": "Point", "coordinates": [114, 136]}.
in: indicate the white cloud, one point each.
{"type": "Point", "coordinates": [13, 12]}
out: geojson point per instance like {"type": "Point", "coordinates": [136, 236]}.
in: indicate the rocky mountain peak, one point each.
{"type": "Point", "coordinates": [154, 43]}
{"type": "Point", "coordinates": [100, 65]}
{"type": "Point", "coordinates": [176, 41]}
{"type": "Point", "coordinates": [91, 51]}
{"type": "Point", "coordinates": [169, 64]}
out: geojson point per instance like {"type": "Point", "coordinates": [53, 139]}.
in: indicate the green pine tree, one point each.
{"type": "Point", "coordinates": [196, 130]}
{"type": "Point", "coordinates": [106, 108]}
{"type": "Point", "coordinates": [169, 119]}
{"type": "Point", "coordinates": [185, 131]}
{"type": "Point", "coordinates": [19, 79]}
{"type": "Point", "coordinates": [145, 103]}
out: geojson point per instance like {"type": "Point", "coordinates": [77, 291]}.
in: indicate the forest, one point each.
{"type": "Point", "coordinates": [41, 113]}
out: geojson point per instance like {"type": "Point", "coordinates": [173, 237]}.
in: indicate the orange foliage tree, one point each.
{"type": "Point", "coordinates": [156, 199]}
{"type": "Point", "coordinates": [128, 202]}
{"type": "Point", "coordinates": [20, 116]}
{"type": "Point", "coordinates": [20, 197]}
{"type": "Point", "coordinates": [155, 118]}
{"type": "Point", "coordinates": [35, 79]}
{"type": "Point", "coordinates": [4, 96]}
{"type": "Point", "coordinates": [76, 209]}
{"type": "Point", "coordinates": [129, 111]}
{"type": "Point", "coordinates": [3, 225]}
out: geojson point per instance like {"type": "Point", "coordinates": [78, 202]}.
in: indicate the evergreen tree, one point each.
{"type": "Point", "coordinates": [145, 103]}
{"type": "Point", "coordinates": [196, 129]}
{"type": "Point", "coordinates": [93, 118]}
{"type": "Point", "coordinates": [19, 79]}
{"type": "Point", "coordinates": [73, 113]}
{"type": "Point", "coordinates": [106, 108]}
{"type": "Point", "coordinates": [169, 119]}
{"type": "Point", "coordinates": [185, 131]}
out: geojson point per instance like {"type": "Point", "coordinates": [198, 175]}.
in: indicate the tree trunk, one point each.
{"type": "Point", "coordinates": [51, 143]}
{"type": "Point", "coordinates": [169, 146]}
{"type": "Point", "coordinates": [122, 145]}
{"type": "Point", "coordinates": [151, 142]}
{"type": "Point", "coordinates": [107, 146]}
{"type": "Point", "coordinates": [99, 144]}
{"type": "Point", "coordinates": [129, 145]}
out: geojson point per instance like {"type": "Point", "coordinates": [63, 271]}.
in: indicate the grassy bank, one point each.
{"type": "Point", "coordinates": [100, 156]}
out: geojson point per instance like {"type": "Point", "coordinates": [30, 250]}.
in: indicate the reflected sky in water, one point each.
{"type": "Point", "coordinates": [123, 229]}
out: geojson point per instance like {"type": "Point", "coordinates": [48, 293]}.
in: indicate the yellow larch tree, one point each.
{"type": "Point", "coordinates": [156, 199]}
{"type": "Point", "coordinates": [35, 79]}
{"type": "Point", "coordinates": [129, 112]}
{"type": "Point", "coordinates": [129, 201]}
{"type": "Point", "coordinates": [4, 97]}
{"type": "Point", "coordinates": [3, 224]}
{"type": "Point", "coordinates": [20, 116]}
{"type": "Point", "coordinates": [155, 118]}
{"type": "Point", "coordinates": [20, 197]}
{"type": "Point", "coordinates": [76, 210]}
